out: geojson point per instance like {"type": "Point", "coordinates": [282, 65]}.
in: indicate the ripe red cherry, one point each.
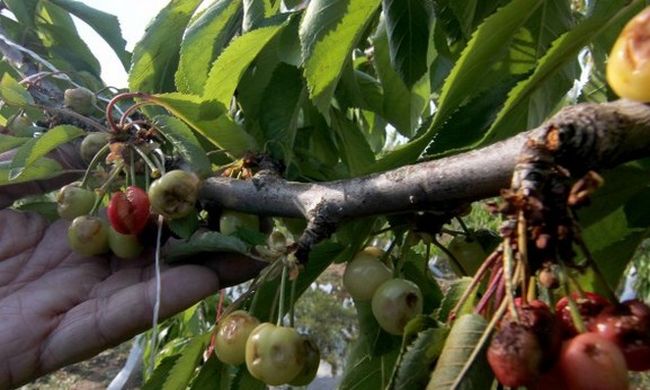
{"type": "Point", "coordinates": [589, 306]}
{"type": "Point", "coordinates": [628, 326]}
{"type": "Point", "coordinates": [128, 211]}
{"type": "Point", "coordinates": [590, 361]}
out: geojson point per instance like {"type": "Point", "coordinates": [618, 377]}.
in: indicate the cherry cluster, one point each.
{"type": "Point", "coordinates": [173, 195]}
{"type": "Point", "coordinates": [274, 354]}
{"type": "Point", "coordinates": [541, 349]}
{"type": "Point", "coordinates": [395, 301]}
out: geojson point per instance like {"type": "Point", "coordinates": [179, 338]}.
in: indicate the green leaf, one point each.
{"type": "Point", "coordinates": [244, 380]}
{"type": "Point", "coordinates": [180, 375]}
{"type": "Point", "coordinates": [13, 93]}
{"type": "Point", "coordinates": [206, 118]}
{"type": "Point", "coordinates": [254, 13]}
{"type": "Point", "coordinates": [106, 25]}
{"type": "Point", "coordinates": [185, 144]}
{"type": "Point", "coordinates": [464, 11]}
{"type": "Point", "coordinates": [417, 361]}
{"type": "Point", "coordinates": [357, 154]}
{"type": "Point", "coordinates": [47, 209]}
{"type": "Point", "coordinates": [563, 50]}
{"type": "Point", "coordinates": [23, 10]}
{"type": "Point", "coordinates": [617, 219]}
{"type": "Point", "coordinates": [363, 371]}
{"type": "Point", "coordinates": [155, 57]}
{"type": "Point", "coordinates": [161, 373]}
{"type": "Point", "coordinates": [202, 242]}
{"type": "Point", "coordinates": [468, 123]}
{"type": "Point", "coordinates": [401, 107]}
{"type": "Point", "coordinates": [36, 148]}
{"type": "Point", "coordinates": [486, 47]}
{"type": "Point", "coordinates": [278, 119]}
{"type": "Point", "coordinates": [8, 142]}
{"type": "Point", "coordinates": [204, 40]}
{"type": "Point", "coordinates": [228, 69]}
{"type": "Point", "coordinates": [186, 226]}
{"type": "Point", "coordinates": [462, 339]}
{"type": "Point", "coordinates": [58, 33]}
{"type": "Point", "coordinates": [452, 297]}
{"type": "Point", "coordinates": [329, 30]}
{"type": "Point", "coordinates": [213, 374]}
{"type": "Point", "coordinates": [43, 168]}
{"type": "Point", "coordinates": [408, 23]}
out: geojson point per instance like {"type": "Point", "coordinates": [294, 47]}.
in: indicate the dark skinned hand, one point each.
{"type": "Point", "coordinates": [58, 308]}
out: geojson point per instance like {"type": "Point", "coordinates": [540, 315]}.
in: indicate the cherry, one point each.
{"type": "Point", "coordinates": [515, 355]}
{"type": "Point", "coordinates": [525, 347]}
{"type": "Point", "coordinates": [125, 246]}
{"type": "Point", "coordinates": [469, 253]}
{"type": "Point", "coordinates": [589, 306]}
{"type": "Point", "coordinates": [80, 100]}
{"type": "Point", "coordinates": [128, 211]}
{"type": "Point", "coordinates": [312, 361]}
{"type": "Point", "coordinates": [88, 236]}
{"type": "Point", "coordinates": [73, 201]}
{"type": "Point", "coordinates": [275, 354]}
{"type": "Point", "coordinates": [590, 361]}
{"type": "Point", "coordinates": [231, 221]}
{"type": "Point", "coordinates": [628, 68]}
{"type": "Point", "coordinates": [365, 273]}
{"type": "Point", "coordinates": [232, 333]}
{"type": "Point", "coordinates": [395, 303]}
{"type": "Point", "coordinates": [628, 326]}
{"type": "Point", "coordinates": [91, 144]}
{"type": "Point", "coordinates": [174, 194]}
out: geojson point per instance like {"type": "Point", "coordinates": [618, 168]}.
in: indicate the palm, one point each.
{"type": "Point", "coordinates": [62, 307]}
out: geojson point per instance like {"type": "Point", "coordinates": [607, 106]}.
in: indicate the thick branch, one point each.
{"type": "Point", "coordinates": [593, 136]}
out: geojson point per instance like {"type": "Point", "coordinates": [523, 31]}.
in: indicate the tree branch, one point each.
{"type": "Point", "coordinates": [592, 136]}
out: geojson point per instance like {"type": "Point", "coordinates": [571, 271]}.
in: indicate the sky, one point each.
{"type": "Point", "coordinates": [134, 16]}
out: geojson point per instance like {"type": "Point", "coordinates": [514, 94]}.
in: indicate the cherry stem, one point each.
{"type": "Point", "coordinates": [532, 289]}
{"type": "Point", "coordinates": [292, 302]}
{"type": "Point", "coordinates": [93, 164]}
{"type": "Point", "coordinates": [491, 289]}
{"type": "Point", "coordinates": [101, 191]}
{"type": "Point", "coordinates": [155, 170]}
{"type": "Point", "coordinates": [522, 252]}
{"type": "Point", "coordinates": [220, 304]}
{"type": "Point", "coordinates": [114, 100]}
{"type": "Point", "coordinates": [468, 232]}
{"type": "Point", "coordinates": [283, 284]}
{"type": "Point", "coordinates": [451, 257]}
{"type": "Point", "coordinates": [578, 323]}
{"type": "Point", "coordinates": [487, 263]}
{"type": "Point", "coordinates": [132, 166]}
{"type": "Point", "coordinates": [508, 278]}
{"type": "Point", "coordinates": [130, 110]}
{"type": "Point", "coordinates": [594, 266]}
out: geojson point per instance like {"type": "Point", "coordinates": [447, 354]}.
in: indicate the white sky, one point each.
{"type": "Point", "coordinates": [134, 16]}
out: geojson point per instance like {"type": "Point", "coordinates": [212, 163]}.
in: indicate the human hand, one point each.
{"type": "Point", "coordinates": [58, 307]}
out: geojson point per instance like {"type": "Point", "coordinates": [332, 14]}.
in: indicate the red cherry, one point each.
{"type": "Point", "coordinates": [589, 306]}
{"type": "Point", "coordinates": [128, 211]}
{"type": "Point", "coordinates": [522, 349]}
{"type": "Point", "coordinates": [590, 361]}
{"type": "Point", "coordinates": [628, 326]}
